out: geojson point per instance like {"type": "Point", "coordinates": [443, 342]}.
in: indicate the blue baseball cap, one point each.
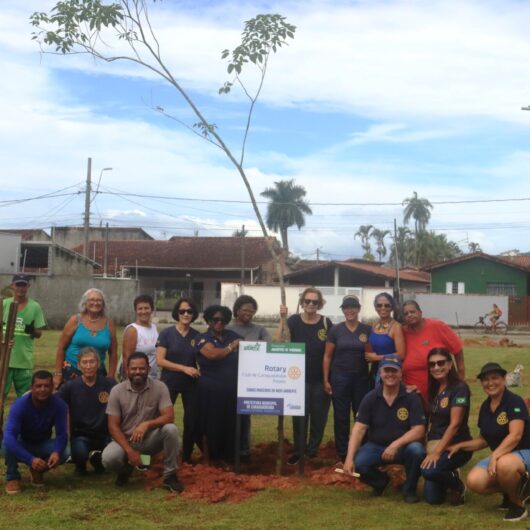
{"type": "Point", "coordinates": [391, 361]}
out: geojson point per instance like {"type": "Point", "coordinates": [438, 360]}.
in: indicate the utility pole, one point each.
{"type": "Point", "coordinates": [318, 254]}
{"type": "Point", "coordinates": [242, 257]}
{"type": "Point", "coordinates": [86, 223]}
{"type": "Point", "coordinates": [397, 287]}
{"type": "Point", "coordinates": [106, 253]}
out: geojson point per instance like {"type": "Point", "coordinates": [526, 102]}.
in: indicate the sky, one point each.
{"type": "Point", "coordinates": [371, 101]}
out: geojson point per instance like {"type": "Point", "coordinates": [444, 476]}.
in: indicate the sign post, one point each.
{"type": "Point", "coordinates": [271, 380]}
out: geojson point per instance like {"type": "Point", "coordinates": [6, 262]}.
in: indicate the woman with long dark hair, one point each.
{"type": "Point", "coordinates": [449, 399]}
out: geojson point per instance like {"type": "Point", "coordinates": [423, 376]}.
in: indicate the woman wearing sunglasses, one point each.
{"type": "Point", "coordinates": [421, 336]}
{"type": "Point", "coordinates": [311, 328]}
{"type": "Point", "coordinates": [175, 354]}
{"type": "Point", "coordinates": [346, 374]}
{"type": "Point", "coordinates": [386, 337]}
{"type": "Point", "coordinates": [504, 427]}
{"type": "Point", "coordinates": [217, 386]}
{"type": "Point", "coordinates": [449, 399]}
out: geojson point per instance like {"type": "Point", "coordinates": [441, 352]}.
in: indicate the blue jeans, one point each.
{"type": "Point", "coordinates": [348, 392]}
{"type": "Point", "coordinates": [368, 459]}
{"type": "Point", "coordinates": [39, 450]}
{"type": "Point", "coordinates": [316, 416]}
{"type": "Point", "coordinates": [438, 479]}
{"type": "Point", "coordinates": [81, 446]}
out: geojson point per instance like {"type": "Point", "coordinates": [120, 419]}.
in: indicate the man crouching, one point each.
{"type": "Point", "coordinates": [28, 433]}
{"type": "Point", "coordinates": [393, 422]}
{"type": "Point", "coordinates": [140, 416]}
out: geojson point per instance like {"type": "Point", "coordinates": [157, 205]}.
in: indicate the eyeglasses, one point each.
{"type": "Point", "coordinates": [441, 363]}
{"type": "Point", "coordinates": [380, 306]}
{"type": "Point", "coordinates": [307, 301]}
{"type": "Point", "coordinates": [218, 320]}
{"type": "Point", "coordinates": [185, 311]}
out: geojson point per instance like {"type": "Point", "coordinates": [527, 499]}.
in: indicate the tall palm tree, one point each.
{"type": "Point", "coordinates": [364, 233]}
{"type": "Point", "coordinates": [379, 237]}
{"type": "Point", "coordinates": [474, 247]}
{"type": "Point", "coordinates": [418, 209]}
{"type": "Point", "coordinates": [286, 208]}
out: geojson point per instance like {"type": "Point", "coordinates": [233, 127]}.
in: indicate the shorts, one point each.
{"type": "Point", "coordinates": [523, 454]}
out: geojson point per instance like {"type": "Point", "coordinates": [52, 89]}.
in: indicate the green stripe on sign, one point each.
{"type": "Point", "coordinates": [286, 347]}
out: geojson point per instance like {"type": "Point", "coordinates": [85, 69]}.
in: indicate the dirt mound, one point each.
{"type": "Point", "coordinates": [221, 484]}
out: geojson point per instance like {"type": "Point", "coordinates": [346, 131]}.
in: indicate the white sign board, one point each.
{"type": "Point", "coordinates": [271, 378]}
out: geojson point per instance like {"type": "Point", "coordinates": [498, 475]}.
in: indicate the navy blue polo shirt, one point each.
{"type": "Point", "coordinates": [494, 426]}
{"type": "Point", "coordinates": [314, 338]}
{"type": "Point", "coordinates": [385, 422]}
{"type": "Point", "coordinates": [440, 412]}
{"type": "Point", "coordinates": [179, 350]}
{"type": "Point", "coordinates": [88, 406]}
{"type": "Point", "coordinates": [348, 356]}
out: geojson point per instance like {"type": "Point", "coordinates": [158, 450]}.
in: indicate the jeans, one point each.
{"type": "Point", "coordinates": [438, 479]}
{"type": "Point", "coordinates": [81, 446]}
{"type": "Point", "coordinates": [41, 450]}
{"type": "Point", "coordinates": [369, 458]}
{"type": "Point", "coordinates": [114, 458]}
{"type": "Point", "coordinates": [316, 416]}
{"type": "Point", "coordinates": [189, 403]}
{"type": "Point", "coordinates": [348, 392]}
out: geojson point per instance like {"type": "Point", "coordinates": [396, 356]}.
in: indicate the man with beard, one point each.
{"type": "Point", "coordinates": [140, 419]}
{"type": "Point", "coordinates": [28, 433]}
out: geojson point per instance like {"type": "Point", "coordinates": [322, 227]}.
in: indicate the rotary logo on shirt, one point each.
{"type": "Point", "coordinates": [402, 413]}
{"type": "Point", "coordinates": [363, 338]}
{"type": "Point", "coordinates": [103, 397]}
{"type": "Point", "coordinates": [322, 334]}
{"type": "Point", "coordinates": [444, 402]}
{"type": "Point", "coordinates": [502, 418]}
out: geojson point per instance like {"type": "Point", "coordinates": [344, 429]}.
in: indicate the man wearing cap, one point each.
{"type": "Point", "coordinates": [28, 326]}
{"type": "Point", "coordinates": [504, 426]}
{"type": "Point", "coordinates": [392, 422]}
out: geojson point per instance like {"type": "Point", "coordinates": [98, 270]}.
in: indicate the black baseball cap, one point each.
{"type": "Point", "coordinates": [490, 368]}
{"type": "Point", "coordinates": [350, 300]}
{"type": "Point", "coordinates": [21, 278]}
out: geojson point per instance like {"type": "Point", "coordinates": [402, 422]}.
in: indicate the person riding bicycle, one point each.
{"type": "Point", "coordinates": [494, 315]}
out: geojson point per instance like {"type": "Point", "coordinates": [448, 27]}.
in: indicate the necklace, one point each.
{"type": "Point", "coordinates": [94, 319]}
{"type": "Point", "coordinates": [383, 326]}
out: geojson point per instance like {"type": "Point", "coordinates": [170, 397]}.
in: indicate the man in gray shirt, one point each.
{"type": "Point", "coordinates": [140, 418]}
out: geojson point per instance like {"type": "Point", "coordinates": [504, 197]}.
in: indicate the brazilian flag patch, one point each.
{"type": "Point", "coordinates": [517, 409]}
{"type": "Point", "coordinates": [461, 401]}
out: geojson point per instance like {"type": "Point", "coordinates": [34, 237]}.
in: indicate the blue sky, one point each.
{"type": "Point", "coordinates": [370, 102]}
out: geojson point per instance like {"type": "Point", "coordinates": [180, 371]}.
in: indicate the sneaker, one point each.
{"type": "Point", "coordinates": [524, 487]}
{"type": "Point", "coordinates": [378, 491]}
{"type": "Point", "coordinates": [173, 484]}
{"type": "Point", "coordinates": [123, 477]}
{"type": "Point", "coordinates": [505, 504]}
{"type": "Point", "coordinates": [13, 487]}
{"type": "Point", "coordinates": [37, 478]}
{"type": "Point", "coordinates": [411, 498]}
{"type": "Point", "coordinates": [457, 496]}
{"type": "Point", "coordinates": [293, 460]}
{"type": "Point", "coordinates": [515, 513]}
{"type": "Point", "coordinates": [94, 457]}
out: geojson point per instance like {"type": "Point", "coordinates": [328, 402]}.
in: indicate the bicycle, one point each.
{"type": "Point", "coordinates": [481, 327]}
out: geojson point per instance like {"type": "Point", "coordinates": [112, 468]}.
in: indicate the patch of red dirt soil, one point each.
{"type": "Point", "coordinates": [221, 484]}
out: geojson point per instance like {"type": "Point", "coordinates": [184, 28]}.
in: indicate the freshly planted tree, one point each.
{"type": "Point", "coordinates": [286, 208]}
{"type": "Point", "coordinates": [98, 30]}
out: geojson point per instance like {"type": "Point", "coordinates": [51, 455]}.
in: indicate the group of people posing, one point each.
{"type": "Point", "coordinates": [404, 384]}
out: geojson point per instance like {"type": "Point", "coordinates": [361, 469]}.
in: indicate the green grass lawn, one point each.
{"type": "Point", "coordinates": [94, 502]}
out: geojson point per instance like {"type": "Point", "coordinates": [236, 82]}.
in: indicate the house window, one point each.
{"type": "Point", "coordinates": [455, 288]}
{"type": "Point", "coordinates": [506, 289]}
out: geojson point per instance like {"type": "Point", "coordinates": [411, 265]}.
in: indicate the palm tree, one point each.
{"type": "Point", "coordinates": [474, 247]}
{"type": "Point", "coordinates": [241, 232]}
{"type": "Point", "coordinates": [419, 210]}
{"type": "Point", "coordinates": [286, 208]}
{"type": "Point", "coordinates": [403, 244]}
{"type": "Point", "coordinates": [364, 233]}
{"type": "Point", "coordinates": [379, 236]}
